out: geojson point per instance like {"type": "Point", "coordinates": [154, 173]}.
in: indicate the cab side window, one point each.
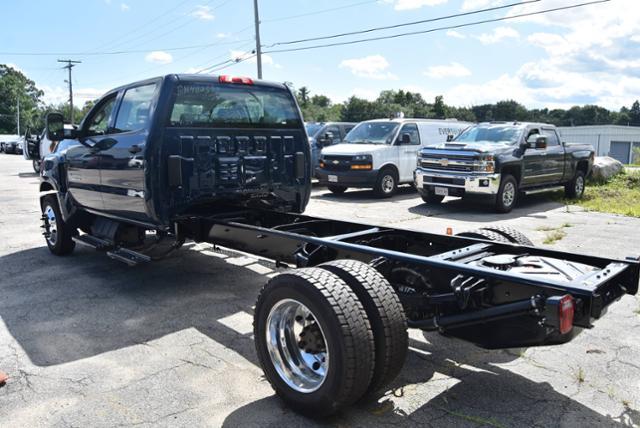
{"type": "Point", "coordinates": [98, 122]}
{"type": "Point", "coordinates": [133, 113]}
{"type": "Point", "coordinates": [335, 131]}
{"type": "Point", "coordinates": [552, 138]}
{"type": "Point", "coordinates": [412, 130]}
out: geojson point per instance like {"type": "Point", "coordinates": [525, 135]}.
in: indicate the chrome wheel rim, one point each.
{"type": "Point", "coordinates": [51, 225]}
{"type": "Point", "coordinates": [579, 185]}
{"type": "Point", "coordinates": [297, 346]}
{"type": "Point", "coordinates": [508, 194]}
{"type": "Point", "coordinates": [387, 184]}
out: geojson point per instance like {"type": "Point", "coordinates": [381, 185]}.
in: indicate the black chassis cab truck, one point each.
{"type": "Point", "coordinates": [502, 160]}
{"type": "Point", "coordinates": [226, 160]}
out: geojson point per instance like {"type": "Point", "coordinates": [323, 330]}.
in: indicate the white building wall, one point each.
{"type": "Point", "coordinates": [601, 136]}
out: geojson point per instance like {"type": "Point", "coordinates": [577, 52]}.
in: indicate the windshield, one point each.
{"type": "Point", "coordinates": [490, 133]}
{"type": "Point", "coordinates": [312, 129]}
{"type": "Point", "coordinates": [372, 133]}
{"type": "Point", "coordinates": [209, 105]}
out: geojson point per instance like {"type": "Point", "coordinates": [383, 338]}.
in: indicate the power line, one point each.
{"type": "Point", "coordinates": [317, 12]}
{"type": "Point", "coordinates": [388, 27]}
{"type": "Point", "coordinates": [449, 27]}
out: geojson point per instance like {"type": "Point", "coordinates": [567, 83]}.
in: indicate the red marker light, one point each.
{"type": "Point", "coordinates": [231, 79]}
{"type": "Point", "coordinates": [566, 310]}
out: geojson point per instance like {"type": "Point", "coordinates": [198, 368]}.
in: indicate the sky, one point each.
{"type": "Point", "coordinates": [587, 55]}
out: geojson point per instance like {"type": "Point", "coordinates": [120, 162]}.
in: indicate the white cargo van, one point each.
{"type": "Point", "coordinates": [381, 154]}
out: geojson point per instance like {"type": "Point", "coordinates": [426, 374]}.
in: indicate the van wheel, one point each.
{"type": "Point", "coordinates": [338, 190]}
{"type": "Point", "coordinates": [384, 312]}
{"type": "Point", "coordinates": [58, 233]}
{"type": "Point", "coordinates": [575, 188]}
{"type": "Point", "coordinates": [313, 341]}
{"type": "Point", "coordinates": [430, 197]}
{"type": "Point", "coordinates": [507, 194]}
{"type": "Point", "coordinates": [386, 184]}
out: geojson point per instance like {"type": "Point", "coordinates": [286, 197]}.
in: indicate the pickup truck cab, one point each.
{"type": "Point", "coordinates": [381, 154]}
{"type": "Point", "coordinates": [501, 160]}
{"type": "Point", "coordinates": [323, 134]}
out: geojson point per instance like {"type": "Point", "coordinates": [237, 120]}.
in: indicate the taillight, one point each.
{"type": "Point", "coordinates": [566, 311]}
{"type": "Point", "coordinates": [232, 79]}
{"type": "Point", "coordinates": [559, 312]}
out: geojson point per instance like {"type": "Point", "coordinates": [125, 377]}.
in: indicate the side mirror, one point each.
{"type": "Point", "coordinates": [55, 126]}
{"type": "Point", "coordinates": [405, 139]}
{"type": "Point", "coordinates": [449, 137]}
{"type": "Point", "coordinates": [541, 142]}
{"type": "Point", "coordinates": [326, 139]}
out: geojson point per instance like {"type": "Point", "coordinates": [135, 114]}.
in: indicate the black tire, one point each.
{"type": "Point", "coordinates": [511, 234]}
{"type": "Point", "coordinates": [430, 197]}
{"type": "Point", "coordinates": [347, 334]}
{"type": "Point", "coordinates": [483, 234]}
{"type": "Point", "coordinates": [36, 165]}
{"type": "Point", "coordinates": [575, 188]}
{"type": "Point", "coordinates": [507, 196]}
{"type": "Point", "coordinates": [387, 183]}
{"type": "Point", "coordinates": [338, 190]}
{"type": "Point", "coordinates": [384, 312]}
{"type": "Point", "coordinates": [60, 240]}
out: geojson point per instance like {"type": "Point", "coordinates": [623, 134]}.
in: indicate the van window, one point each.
{"type": "Point", "coordinates": [212, 105]}
{"type": "Point", "coordinates": [372, 133]}
{"type": "Point", "coordinates": [412, 130]}
{"type": "Point", "coordinates": [133, 113]}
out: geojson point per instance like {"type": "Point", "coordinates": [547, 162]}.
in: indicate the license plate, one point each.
{"type": "Point", "coordinates": [442, 191]}
{"type": "Point", "coordinates": [333, 179]}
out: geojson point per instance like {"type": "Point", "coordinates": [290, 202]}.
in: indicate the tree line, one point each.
{"type": "Point", "coordinates": [14, 86]}
{"type": "Point", "coordinates": [319, 108]}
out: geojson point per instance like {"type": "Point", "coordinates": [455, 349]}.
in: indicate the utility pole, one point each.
{"type": "Point", "coordinates": [18, 116]}
{"type": "Point", "coordinates": [69, 66]}
{"type": "Point", "coordinates": [258, 48]}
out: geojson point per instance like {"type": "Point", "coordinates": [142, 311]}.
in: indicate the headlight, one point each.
{"type": "Point", "coordinates": [362, 158]}
{"type": "Point", "coordinates": [485, 164]}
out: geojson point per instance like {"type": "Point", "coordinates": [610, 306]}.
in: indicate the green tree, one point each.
{"type": "Point", "coordinates": [16, 86]}
{"type": "Point", "coordinates": [322, 101]}
{"type": "Point", "coordinates": [439, 108]}
{"type": "Point", "coordinates": [634, 113]}
{"type": "Point", "coordinates": [303, 96]}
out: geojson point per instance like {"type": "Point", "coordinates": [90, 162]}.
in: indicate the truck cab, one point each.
{"type": "Point", "coordinates": [154, 150]}
{"type": "Point", "coordinates": [381, 154]}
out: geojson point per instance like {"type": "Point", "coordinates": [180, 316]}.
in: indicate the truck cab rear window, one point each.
{"type": "Point", "coordinates": [207, 105]}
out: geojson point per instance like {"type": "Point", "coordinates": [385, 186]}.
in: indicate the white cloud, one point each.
{"type": "Point", "coordinates": [159, 57]}
{"type": "Point", "coordinates": [498, 34]}
{"type": "Point", "coordinates": [371, 67]}
{"type": "Point", "coordinates": [454, 69]}
{"type": "Point", "coordinates": [124, 7]}
{"type": "Point", "coordinates": [60, 94]}
{"type": "Point", "coordinates": [223, 35]}
{"type": "Point", "coordinates": [203, 13]}
{"type": "Point", "coordinates": [413, 4]}
{"type": "Point", "coordinates": [480, 4]}
{"type": "Point", "coordinates": [456, 35]}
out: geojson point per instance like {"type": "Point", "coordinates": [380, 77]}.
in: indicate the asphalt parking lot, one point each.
{"type": "Point", "coordinates": [88, 341]}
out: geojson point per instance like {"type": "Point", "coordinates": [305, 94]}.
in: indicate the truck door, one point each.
{"type": "Point", "coordinates": [554, 161]}
{"type": "Point", "coordinates": [408, 153]}
{"type": "Point", "coordinates": [122, 163]}
{"type": "Point", "coordinates": [533, 162]}
{"type": "Point", "coordinates": [83, 159]}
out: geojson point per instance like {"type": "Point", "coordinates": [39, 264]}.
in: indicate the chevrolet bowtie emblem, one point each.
{"type": "Point", "coordinates": [335, 162]}
{"type": "Point", "coordinates": [444, 162]}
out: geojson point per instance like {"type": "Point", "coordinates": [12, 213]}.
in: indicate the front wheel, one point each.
{"type": "Point", "coordinates": [431, 198]}
{"type": "Point", "coordinates": [57, 232]}
{"type": "Point", "coordinates": [386, 184]}
{"type": "Point", "coordinates": [507, 194]}
{"type": "Point", "coordinates": [314, 341]}
{"type": "Point", "coordinates": [575, 188]}
{"type": "Point", "coordinates": [36, 166]}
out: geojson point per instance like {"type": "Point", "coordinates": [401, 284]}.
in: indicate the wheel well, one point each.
{"type": "Point", "coordinates": [583, 166]}
{"type": "Point", "coordinates": [512, 170]}
{"type": "Point", "coordinates": [391, 167]}
{"type": "Point", "coordinates": [46, 187]}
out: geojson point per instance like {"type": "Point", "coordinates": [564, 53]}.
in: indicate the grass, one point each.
{"type": "Point", "coordinates": [620, 195]}
{"type": "Point", "coordinates": [580, 375]}
{"type": "Point", "coordinates": [555, 233]}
